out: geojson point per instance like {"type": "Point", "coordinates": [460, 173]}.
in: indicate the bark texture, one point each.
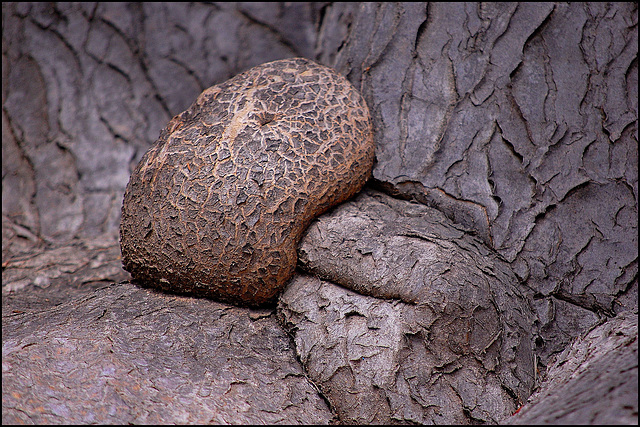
{"type": "Point", "coordinates": [123, 354]}
{"type": "Point", "coordinates": [520, 121]}
{"type": "Point", "coordinates": [443, 336]}
{"type": "Point", "coordinates": [593, 381]}
{"type": "Point", "coordinates": [509, 129]}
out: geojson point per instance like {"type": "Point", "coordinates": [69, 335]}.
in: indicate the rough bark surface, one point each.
{"type": "Point", "coordinates": [516, 121]}
{"type": "Point", "coordinates": [593, 381]}
{"type": "Point", "coordinates": [123, 354]}
{"type": "Point", "coordinates": [45, 278]}
{"type": "Point", "coordinates": [444, 336]}
{"type": "Point", "coordinates": [519, 120]}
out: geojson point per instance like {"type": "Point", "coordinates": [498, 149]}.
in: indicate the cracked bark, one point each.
{"type": "Point", "coordinates": [513, 124]}
{"type": "Point", "coordinates": [511, 140]}
{"type": "Point", "coordinates": [461, 310]}
{"type": "Point", "coordinates": [597, 374]}
{"type": "Point", "coordinates": [121, 353]}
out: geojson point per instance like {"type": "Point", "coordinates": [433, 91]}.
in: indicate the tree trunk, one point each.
{"type": "Point", "coordinates": [497, 238]}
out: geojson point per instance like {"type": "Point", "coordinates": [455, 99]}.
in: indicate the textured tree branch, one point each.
{"type": "Point", "coordinates": [499, 116]}
{"type": "Point", "coordinates": [447, 313]}
{"type": "Point", "coordinates": [593, 381]}
{"type": "Point", "coordinates": [123, 354]}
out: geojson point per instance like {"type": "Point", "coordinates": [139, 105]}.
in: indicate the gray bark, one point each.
{"type": "Point", "coordinates": [444, 335]}
{"type": "Point", "coordinates": [45, 278]}
{"type": "Point", "coordinates": [509, 129]}
{"type": "Point", "coordinates": [124, 354]}
{"type": "Point", "coordinates": [520, 122]}
{"type": "Point", "coordinates": [593, 381]}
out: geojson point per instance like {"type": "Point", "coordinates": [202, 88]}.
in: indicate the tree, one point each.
{"type": "Point", "coordinates": [501, 218]}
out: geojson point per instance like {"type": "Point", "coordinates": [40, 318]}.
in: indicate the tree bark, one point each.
{"type": "Point", "coordinates": [500, 115]}
{"type": "Point", "coordinates": [124, 354]}
{"type": "Point", "coordinates": [593, 381]}
{"type": "Point", "coordinates": [499, 228]}
{"type": "Point", "coordinates": [441, 312]}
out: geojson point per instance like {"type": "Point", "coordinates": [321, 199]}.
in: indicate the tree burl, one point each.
{"type": "Point", "coordinates": [218, 204]}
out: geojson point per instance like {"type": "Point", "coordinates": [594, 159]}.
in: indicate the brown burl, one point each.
{"type": "Point", "coordinates": [218, 204]}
